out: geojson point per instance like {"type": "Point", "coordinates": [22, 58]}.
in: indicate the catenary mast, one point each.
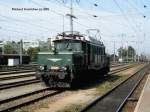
{"type": "Point", "coordinates": [71, 16]}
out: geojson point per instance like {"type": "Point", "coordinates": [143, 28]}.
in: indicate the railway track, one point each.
{"type": "Point", "coordinates": [30, 81]}
{"type": "Point", "coordinates": [23, 99]}
{"type": "Point", "coordinates": [2, 78]}
{"type": "Point", "coordinates": [17, 68]}
{"type": "Point", "coordinates": [14, 72]}
{"type": "Point", "coordinates": [116, 65]}
{"type": "Point", "coordinates": [18, 83]}
{"type": "Point", "coordinates": [121, 69]}
{"type": "Point", "coordinates": [114, 100]}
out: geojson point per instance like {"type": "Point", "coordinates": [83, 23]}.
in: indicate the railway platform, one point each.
{"type": "Point", "coordinates": [143, 104]}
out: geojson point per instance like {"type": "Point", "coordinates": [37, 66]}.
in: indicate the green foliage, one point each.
{"type": "Point", "coordinates": [9, 49]}
{"type": "Point", "coordinates": [131, 51]}
{"type": "Point", "coordinates": [123, 52]}
{"type": "Point", "coordinates": [33, 52]}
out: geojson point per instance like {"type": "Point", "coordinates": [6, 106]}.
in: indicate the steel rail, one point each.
{"type": "Point", "coordinates": [16, 77]}
{"type": "Point", "coordinates": [20, 67]}
{"type": "Point", "coordinates": [18, 83]}
{"type": "Point", "coordinates": [22, 95]}
{"type": "Point", "coordinates": [121, 69]}
{"type": "Point", "coordinates": [116, 65]}
{"type": "Point", "coordinates": [130, 93]}
{"type": "Point", "coordinates": [20, 104]}
{"type": "Point", "coordinates": [106, 100]}
{"type": "Point", "coordinates": [14, 72]}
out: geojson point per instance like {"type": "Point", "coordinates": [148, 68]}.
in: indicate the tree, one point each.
{"type": "Point", "coordinates": [131, 52]}
{"type": "Point", "coordinates": [122, 52]}
{"type": "Point", "coordinates": [33, 52]}
{"type": "Point", "coordinates": [125, 53]}
{"type": "Point", "coordinates": [9, 49]}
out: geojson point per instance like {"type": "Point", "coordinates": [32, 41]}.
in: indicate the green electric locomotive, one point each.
{"type": "Point", "coordinates": [74, 58]}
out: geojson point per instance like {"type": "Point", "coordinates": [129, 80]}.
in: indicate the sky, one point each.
{"type": "Point", "coordinates": [121, 22]}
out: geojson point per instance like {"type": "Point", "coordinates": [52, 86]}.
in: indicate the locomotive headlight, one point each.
{"type": "Point", "coordinates": [64, 68]}
{"type": "Point", "coordinates": [67, 67]}
{"type": "Point", "coordinates": [41, 68]}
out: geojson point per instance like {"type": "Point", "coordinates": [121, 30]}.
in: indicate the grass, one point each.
{"type": "Point", "coordinates": [72, 108]}
{"type": "Point", "coordinates": [19, 110]}
{"type": "Point", "coordinates": [108, 84]}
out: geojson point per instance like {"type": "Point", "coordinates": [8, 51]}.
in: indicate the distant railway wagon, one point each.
{"type": "Point", "coordinates": [75, 58]}
{"type": "Point", "coordinates": [4, 59]}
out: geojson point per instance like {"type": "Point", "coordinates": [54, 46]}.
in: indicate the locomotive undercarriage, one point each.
{"type": "Point", "coordinates": [64, 79]}
{"type": "Point", "coordinates": [56, 79]}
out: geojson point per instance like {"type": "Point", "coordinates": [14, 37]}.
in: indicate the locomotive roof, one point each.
{"type": "Point", "coordinates": [78, 37]}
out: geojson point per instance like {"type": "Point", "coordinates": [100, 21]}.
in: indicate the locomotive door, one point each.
{"type": "Point", "coordinates": [88, 53]}
{"type": "Point", "coordinates": [85, 50]}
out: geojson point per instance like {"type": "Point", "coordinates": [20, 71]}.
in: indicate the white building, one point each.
{"type": "Point", "coordinates": [2, 43]}
{"type": "Point", "coordinates": [28, 44]}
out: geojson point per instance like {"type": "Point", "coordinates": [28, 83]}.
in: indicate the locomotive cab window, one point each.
{"type": "Point", "coordinates": [71, 45]}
